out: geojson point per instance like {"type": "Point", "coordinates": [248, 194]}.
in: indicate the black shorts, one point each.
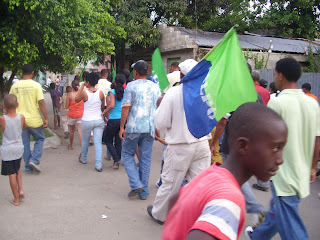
{"type": "Point", "coordinates": [10, 167]}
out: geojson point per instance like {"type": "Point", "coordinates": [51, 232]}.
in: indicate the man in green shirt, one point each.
{"type": "Point", "coordinates": [300, 155]}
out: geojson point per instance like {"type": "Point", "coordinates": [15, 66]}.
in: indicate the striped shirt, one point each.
{"type": "Point", "coordinates": [212, 202]}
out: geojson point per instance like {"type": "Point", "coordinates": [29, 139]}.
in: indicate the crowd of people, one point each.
{"type": "Point", "coordinates": [197, 198]}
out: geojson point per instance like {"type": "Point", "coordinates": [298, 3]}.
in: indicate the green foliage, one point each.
{"type": "Point", "coordinates": [216, 15]}
{"type": "Point", "coordinates": [313, 59]}
{"type": "Point", "coordinates": [299, 18]}
{"type": "Point", "coordinates": [259, 59]}
{"type": "Point", "coordinates": [55, 35]}
{"type": "Point", "coordinates": [139, 20]}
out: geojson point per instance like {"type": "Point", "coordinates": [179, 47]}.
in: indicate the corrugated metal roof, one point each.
{"type": "Point", "coordinates": [256, 42]}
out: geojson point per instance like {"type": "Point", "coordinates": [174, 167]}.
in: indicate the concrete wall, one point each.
{"type": "Point", "coordinates": [173, 40]}
{"type": "Point", "coordinates": [180, 55]}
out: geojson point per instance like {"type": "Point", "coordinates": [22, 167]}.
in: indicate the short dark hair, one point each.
{"type": "Point", "coordinates": [84, 75]}
{"type": "Point", "coordinates": [248, 119]}
{"type": "Point", "coordinates": [77, 77]}
{"type": "Point", "coordinates": [290, 68]}
{"type": "Point", "coordinates": [175, 65]}
{"type": "Point", "coordinates": [307, 86]}
{"type": "Point", "coordinates": [68, 89]}
{"type": "Point", "coordinates": [104, 72]}
{"type": "Point", "coordinates": [263, 83]}
{"type": "Point", "coordinates": [93, 78]}
{"type": "Point", "coordinates": [141, 67]}
{"type": "Point", "coordinates": [273, 87]}
{"type": "Point", "coordinates": [125, 72]}
{"type": "Point", "coordinates": [52, 86]}
{"type": "Point", "coordinates": [27, 69]}
{"type": "Point", "coordinates": [10, 101]}
{"type": "Point", "coordinates": [75, 83]}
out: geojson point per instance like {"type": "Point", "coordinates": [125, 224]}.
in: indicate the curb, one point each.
{"type": "Point", "coordinates": [51, 142]}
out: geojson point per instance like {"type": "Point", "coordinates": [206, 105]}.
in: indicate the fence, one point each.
{"type": "Point", "coordinates": [312, 78]}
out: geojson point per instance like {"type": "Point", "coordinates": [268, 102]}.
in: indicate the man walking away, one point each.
{"type": "Point", "coordinates": [30, 98]}
{"type": "Point", "coordinates": [300, 156]}
{"type": "Point", "coordinates": [138, 108]}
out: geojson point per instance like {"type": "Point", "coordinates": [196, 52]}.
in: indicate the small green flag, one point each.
{"type": "Point", "coordinates": [158, 72]}
{"type": "Point", "coordinates": [83, 70]}
{"type": "Point", "coordinates": [113, 73]}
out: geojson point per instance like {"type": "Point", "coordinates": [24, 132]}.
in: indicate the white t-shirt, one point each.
{"type": "Point", "coordinates": [104, 85]}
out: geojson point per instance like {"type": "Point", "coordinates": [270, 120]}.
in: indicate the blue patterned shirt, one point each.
{"type": "Point", "coordinates": [141, 96]}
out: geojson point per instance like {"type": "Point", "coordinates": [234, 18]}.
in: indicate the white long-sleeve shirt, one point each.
{"type": "Point", "coordinates": [170, 116]}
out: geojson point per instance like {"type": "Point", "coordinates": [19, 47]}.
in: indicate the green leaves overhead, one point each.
{"type": "Point", "coordinates": [55, 35]}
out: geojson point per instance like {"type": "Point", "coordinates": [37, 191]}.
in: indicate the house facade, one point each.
{"type": "Point", "coordinates": [179, 44]}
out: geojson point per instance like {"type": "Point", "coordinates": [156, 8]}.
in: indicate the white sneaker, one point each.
{"type": "Point", "coordinates": [248, 232]}
{"type": "Point", "coordinates": [35, 166]}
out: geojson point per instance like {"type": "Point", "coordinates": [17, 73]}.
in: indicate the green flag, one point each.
{"type": "Point", "coordinates": [83, 70]}
{"type": "Point", "coordinates": [113, 73]}
{"type": "Point", "coordinates": [217, 85]}
{"type": "Point", "coordinates": [228, 76]}
{"type": "Point", "coordinates": [158, 72]}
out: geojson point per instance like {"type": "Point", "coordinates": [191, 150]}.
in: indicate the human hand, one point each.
{"type": "Point", "coordinates": [313, 176]}
{"type": "Point", "coordinates": [122, 134]}
{"type": "Point", "coordinates": [45, 123]}
{"type": "Point", "coordinates": [213, 150]}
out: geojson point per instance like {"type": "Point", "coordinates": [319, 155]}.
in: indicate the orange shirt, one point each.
{"type": "Point", "coordinates": [313, 96]}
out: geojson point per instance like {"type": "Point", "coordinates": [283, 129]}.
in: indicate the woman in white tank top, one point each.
{"type": "Point", "coordinates": [92, 119]}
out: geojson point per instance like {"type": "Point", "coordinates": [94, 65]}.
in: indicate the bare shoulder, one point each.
{"type": "Point", "coordinates": [2, 122]}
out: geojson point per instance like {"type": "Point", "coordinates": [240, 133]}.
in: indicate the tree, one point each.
{"type": "Point", "coordinates": [139, 20]}
{"type": "Point", "coordinates": [299, 18]}
{"type": "Point", "coordinates": [54, 35]}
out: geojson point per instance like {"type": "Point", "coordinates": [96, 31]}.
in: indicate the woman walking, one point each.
{"type": "Point", "coordinates": [92, 120]}
{"type": "Point", "coordinates": [75, 112]}
{"type": "Point", "coordinates": [113, 113]}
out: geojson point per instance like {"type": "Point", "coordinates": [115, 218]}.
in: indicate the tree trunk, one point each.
{"type": "Point", "coordinates": [120, 57]}
{"type": "Point", "coordinates": [1, 88]}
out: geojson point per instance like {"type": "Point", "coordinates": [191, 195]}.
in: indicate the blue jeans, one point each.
{"type": "Point", "coordinates": [97, 127]}
{"type": "Point", "coordinates": [252, 206]}
{"type": "Point", "coordinates": [38, 136]}
{"type": "Point", "coordinates": [284, 218]}
{"type": "Point", "coordinates": [138, 178]}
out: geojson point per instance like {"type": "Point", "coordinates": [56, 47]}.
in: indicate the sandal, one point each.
{"type": "Point", "coordinates": [115, 165]}
{"type": "Point", "coordinates": [80, 159]}
{"type": "Point", "coordinates": [98, 169]}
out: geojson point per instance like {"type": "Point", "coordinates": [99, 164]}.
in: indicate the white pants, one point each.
{"type": "Point", "coordinates": [180, 161]}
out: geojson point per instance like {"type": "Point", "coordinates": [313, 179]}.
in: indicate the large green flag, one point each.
{"type": "Point", "coordinates": [217, 85]}
{"type": "Point", "coordinates": [158, 73]}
